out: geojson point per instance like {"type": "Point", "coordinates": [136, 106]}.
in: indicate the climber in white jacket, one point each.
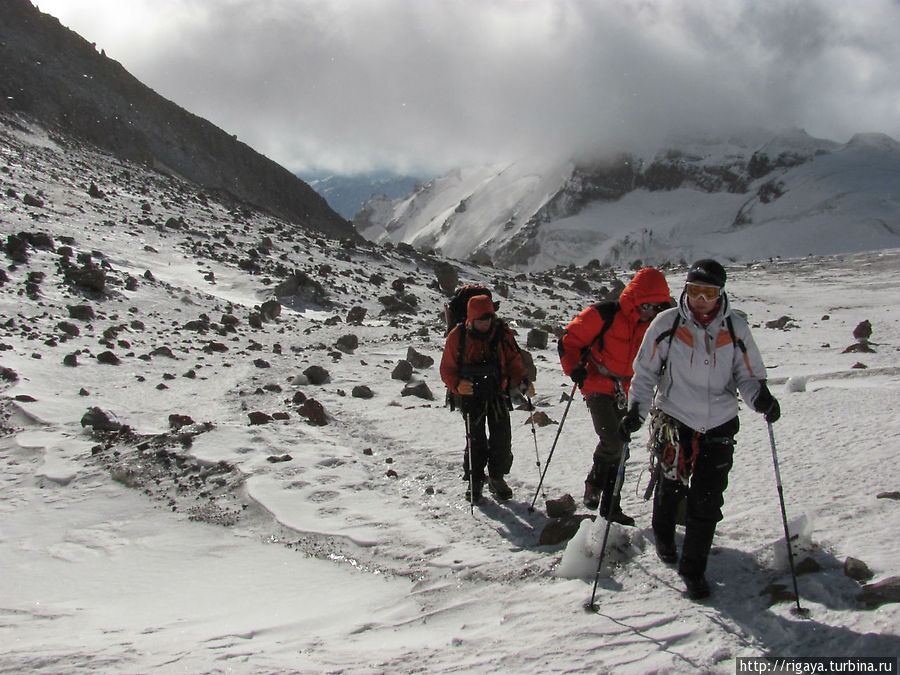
{"type": "Point", "coordinates": [691, 364]}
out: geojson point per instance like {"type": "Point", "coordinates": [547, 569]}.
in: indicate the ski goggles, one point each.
{"type": "Point", "coordinates": [708, 293]}
{"type": "Point", "coordinates": [658, 307]}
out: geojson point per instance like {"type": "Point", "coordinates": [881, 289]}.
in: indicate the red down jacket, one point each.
{"type": "Point", "coordinates": [621, 340]}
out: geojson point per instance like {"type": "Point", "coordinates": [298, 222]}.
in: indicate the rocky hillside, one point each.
{"type": "Point", "coordinates": [758, 195]}
{"type": "Point", "coordinates": [53, 74]}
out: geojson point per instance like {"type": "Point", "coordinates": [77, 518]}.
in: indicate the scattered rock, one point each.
{"type": "Point", "coordinates": [562, 507]}
{"type": "Point", "coordinates": [108, 358]}
{"type": "Point", "coordinates": [888, 495]}
{"type": "Point", "coordinates": [402, 371]}
{"type": "Point", "coordinates": [361, 391]}
{"type": "Point", "coordinates": [881, 593]}
{"type": "Point", "coordinates": [347, 343]}
{"type": "Point", "coordinates": [356, 315]}
{"type": "Point", "coordinates": [417, 360]}
{"type": "Point", "coordinates": [781, 323]}
{"type": "Point", "coordinates": [857, 570]}
{"type": "Point", "coordinates": [314, 412]}
{"type": "Point", "coordinates": [303, 287]}
{"type": "Point", "coordinates": [418, 389]}
{"type": "Point", "coordinates": [399, 304]}
{"type": "Point", "coordinates": [99, 420]}
{"type": "Point", "coordinates": [560, 530]}
{"type": "Point", "coordinates": [270, 310]}
{"type": "Point", "coordinates": [69, 328]}
{"type": "Point", "coordinates": [317, 375]}
{"type": "Point", "coordinates": [257, 418]}
{"type": "Point", "coordinates": [808, 565]}
{"type": "Point", "coordinates": [537, 339]}
{"type": "Point", "coordinates": [81, 312]}
{"type": "Point", "coordinates": [540, 418]}
{"type": "Point", "coordinates": [88, 278]}
{"type": "Point", "coordinates": [447, 277]}
{"type": "Point", "coordinates": [863, 330]}
{"type": "Point", "coordinates": [275, 459]}
{"type": "Point", "coordinates": [177, 421]}
{"type": "Point", "coordinates": [163, 351]}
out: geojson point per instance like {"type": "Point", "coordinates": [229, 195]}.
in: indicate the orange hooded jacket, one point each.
{"type": "Point", "coordinates": [620, 342]}
{"type": "Point", "coordinates": [477, 349]}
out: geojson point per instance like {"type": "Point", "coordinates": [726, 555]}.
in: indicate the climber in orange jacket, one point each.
{"type": "Point", "coordinates": [480, 365]}
{"type": "Point", "coordinates": [597, 352]}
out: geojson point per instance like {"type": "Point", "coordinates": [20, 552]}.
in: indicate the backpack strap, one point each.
{"type": "Point", "coordinates": [668, 335]}
{"type": "Point", "coordinates": [734, 338]}
{"type": "Point", "coordinates": [607, 311]}
{"type": "Point", "coordinates": [740, 344]}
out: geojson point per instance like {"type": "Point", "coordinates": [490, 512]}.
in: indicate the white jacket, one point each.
{"type": "Point", "coordinates": [704, 368]}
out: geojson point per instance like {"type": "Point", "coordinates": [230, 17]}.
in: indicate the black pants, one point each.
{"type": "Point", "coordinates": [605, 414]}
{"type": "Point", "coordinates": [492, 452]}
{"type": "Point", "coordinates": [705, 495]}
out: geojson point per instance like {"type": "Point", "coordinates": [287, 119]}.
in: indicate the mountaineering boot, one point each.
{"type": "Point", "coordinates": [696, 587]}
{"type": "Point", "coordinates": [608, 504]}
{"type": "Point", "coordinates": [500, 489]}
{"type": "Point", "coordinates": [617, 516]}
{"type": "Point", "coordinates": [591, 496]}
{"type": "Point", "coordinates": [473, 492]}
{"type": "Point", "coordinates": [666, 551]}
{"type": "Point", "coordinates": [692, 571]}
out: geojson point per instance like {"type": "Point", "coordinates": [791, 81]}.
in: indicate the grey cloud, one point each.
{"type": "Point", "coordinates": [429, 84]}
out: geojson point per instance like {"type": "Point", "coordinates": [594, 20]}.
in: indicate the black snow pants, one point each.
{"type": "Point", "coordinates": [705, 494]}
{"type": "Point", "coordinates": [492, 452]}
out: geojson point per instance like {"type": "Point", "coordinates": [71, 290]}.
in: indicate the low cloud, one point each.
{"type": "Point", "coordinates": [425, 85]}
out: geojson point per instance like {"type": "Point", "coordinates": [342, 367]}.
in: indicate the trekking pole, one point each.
{"type": "Point", "coordinates": [469, 462]}
{"type": "Point", "coordinates": [787, 535]}
{"type": "Point", "coordinates": [552, 448]}
{"type": "Point", "coordinates": [620, 478]}
{"type": "Point", "coordinates": [537, 455]}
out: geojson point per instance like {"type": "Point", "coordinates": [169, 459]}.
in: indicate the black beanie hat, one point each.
{"type": "Point", "coordinates": [707, 271]}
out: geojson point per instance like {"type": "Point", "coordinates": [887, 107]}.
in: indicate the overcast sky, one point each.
{"type": "Point", "coordinates": [426, 85]}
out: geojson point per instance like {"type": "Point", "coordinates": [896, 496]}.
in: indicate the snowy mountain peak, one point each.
{"type": "Point", "coordinates": [719, 197]}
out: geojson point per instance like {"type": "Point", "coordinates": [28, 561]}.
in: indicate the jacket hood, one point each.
{"type": "Point", "coordinates": [648, 285]}
{"type": "Point", "coordinates": [478, 306]}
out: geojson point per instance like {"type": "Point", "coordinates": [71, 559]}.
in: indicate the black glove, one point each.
{"type": "Point", "coordinates": [579, 374]}
{"type": "Point", "coordinates": [630, 423]}
{"type": "Point", "coordinates": [767, 404]}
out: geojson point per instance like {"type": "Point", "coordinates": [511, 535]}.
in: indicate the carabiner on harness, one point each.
{"type": "Point", "coordinates": [621, 396]}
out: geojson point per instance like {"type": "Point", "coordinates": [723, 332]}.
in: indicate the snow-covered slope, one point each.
{"type": "Point", "coordinates": [249, 539]}
{"type": "Point", "coordinates": [742, 198]}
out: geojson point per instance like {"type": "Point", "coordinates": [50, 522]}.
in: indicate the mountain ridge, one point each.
{"type": "Point", "coordinates": [695, 196]}
{"type": "Point", "coordinates": [52, 74]}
